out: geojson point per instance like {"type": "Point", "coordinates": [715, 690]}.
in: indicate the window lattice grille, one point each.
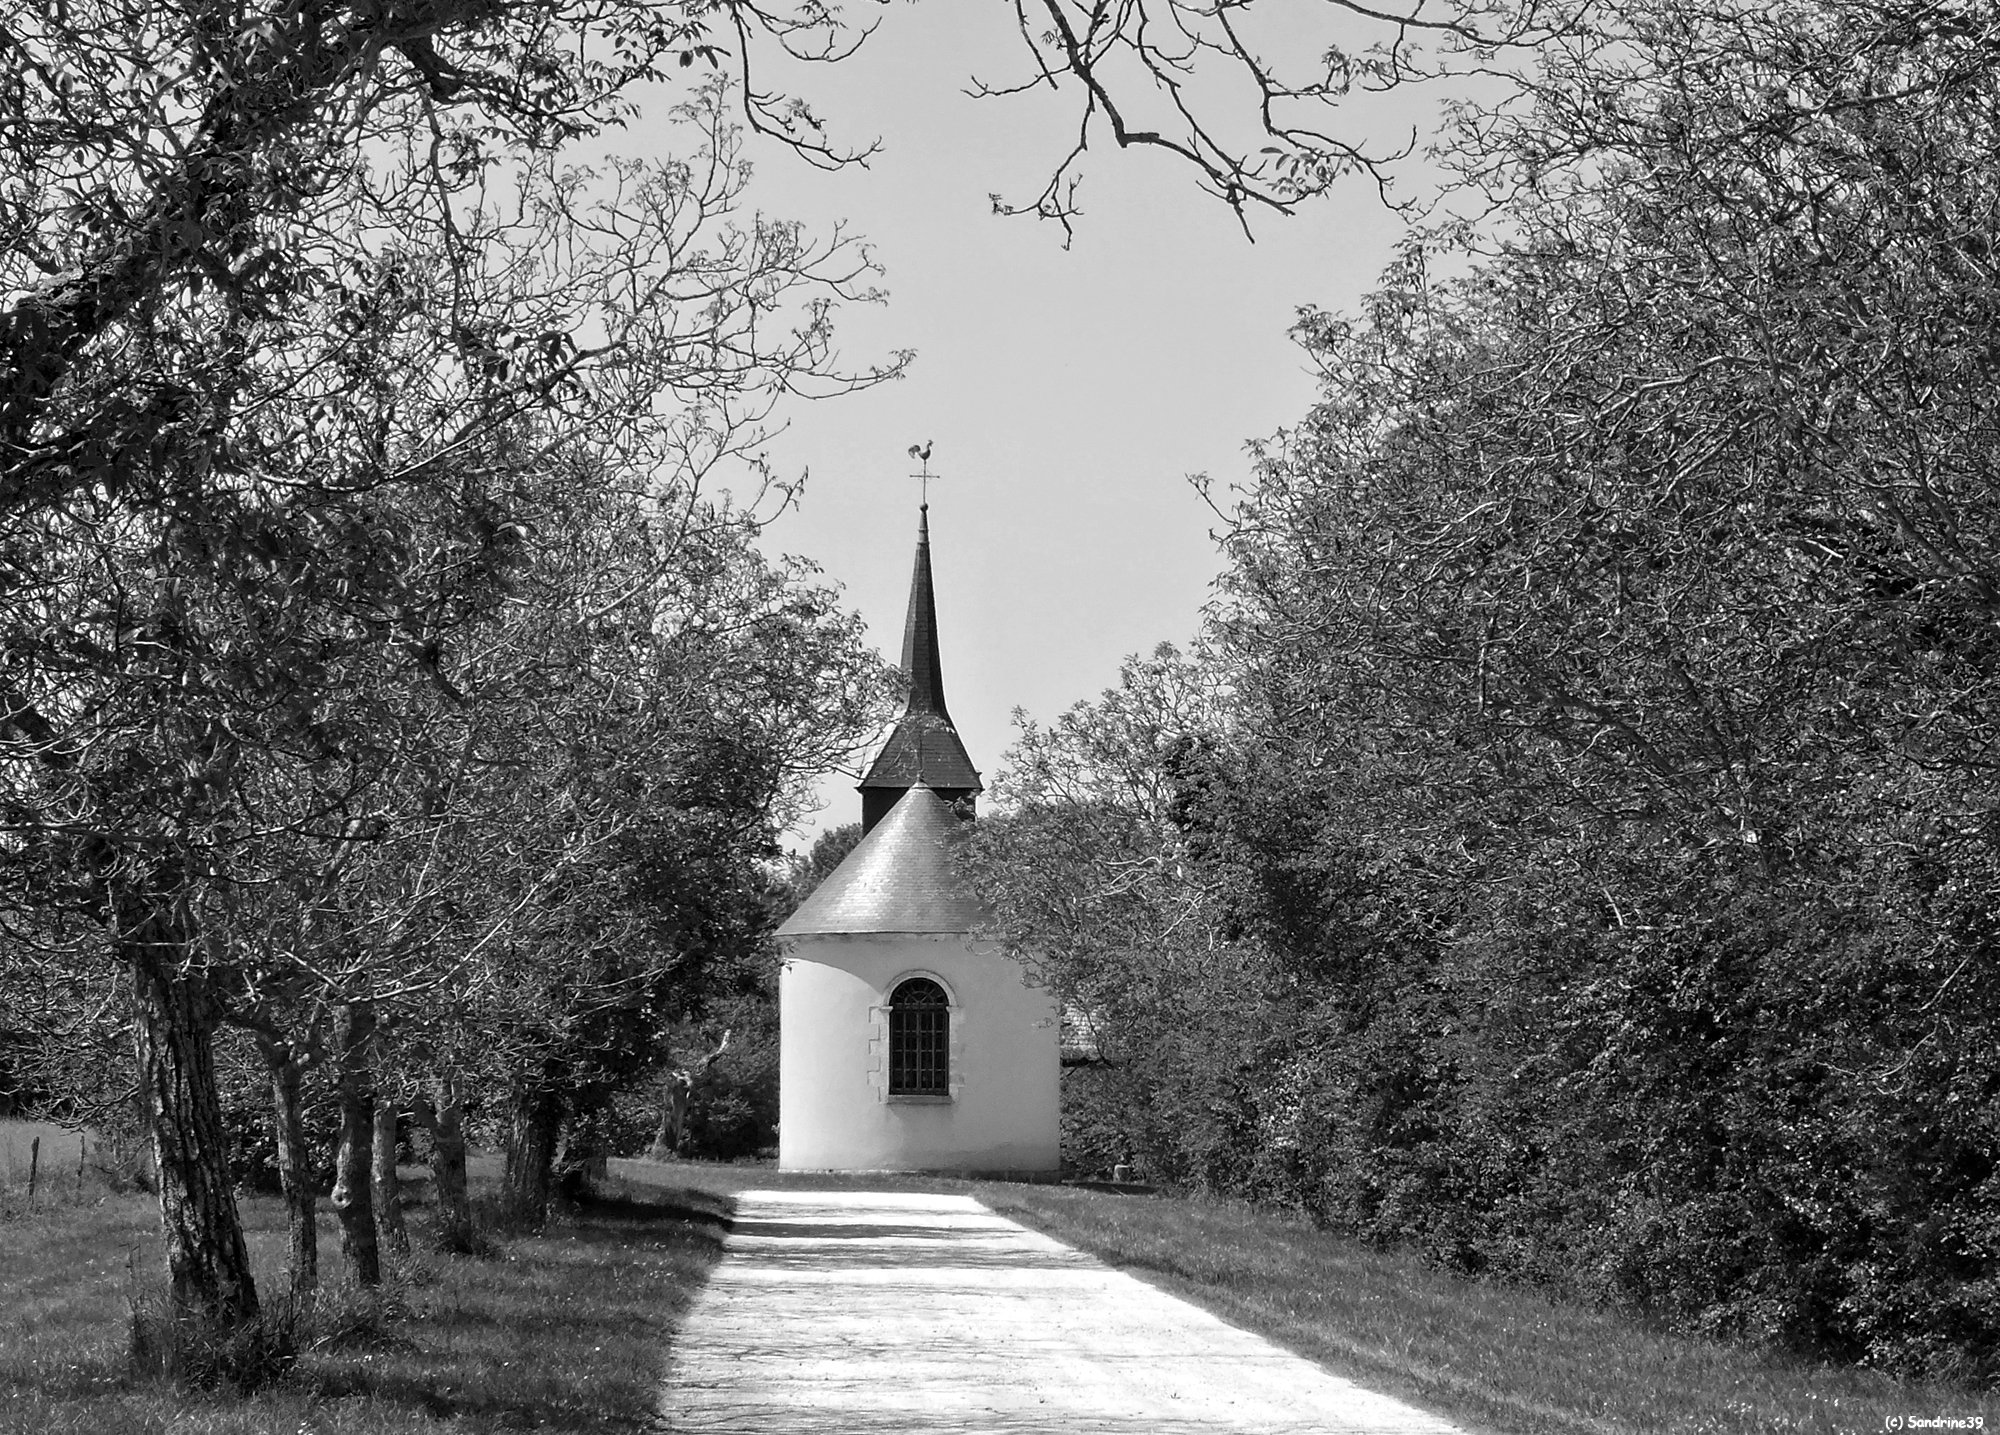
{"type": "Point", "coordinates": [919, 1039]}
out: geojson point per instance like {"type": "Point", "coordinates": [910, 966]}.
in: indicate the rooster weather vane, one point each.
{"type": "Point", "coordinates": [922, 453]}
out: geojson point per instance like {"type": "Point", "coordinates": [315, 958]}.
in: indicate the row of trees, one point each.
{"type": "Point", "coordinates": [497, 901]}
{"type": "Point", "coordinates": [1572, 850]}
{"type": "Point", "coordinates": [386, 698]}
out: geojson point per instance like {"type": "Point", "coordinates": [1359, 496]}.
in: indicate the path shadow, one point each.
{"type": "Point", "coordinates": [886, 1245]}
{"type": "Point", "coordinates": [789, 1420]}
{"type": "Point", "coordinates": [852, 1231]}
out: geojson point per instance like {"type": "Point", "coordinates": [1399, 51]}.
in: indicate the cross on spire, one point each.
{"type": "Point", "coordinates": [922, 453]}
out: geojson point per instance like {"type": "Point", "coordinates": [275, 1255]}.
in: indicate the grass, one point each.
{"type": "Point", "coordinates": [1490, 1357]}
{"type": "Point", "coordinates": [568, 1331]}
{"type": "Point", "coordinates": [565, 1331]}
{"type": "Point", "coordinates": [57, 1176]}
{"type": "Point", "coordinates": [1493, 1357]}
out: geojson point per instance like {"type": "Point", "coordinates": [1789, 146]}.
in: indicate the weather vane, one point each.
{"type": "Point", "coordinates": [922, 453]}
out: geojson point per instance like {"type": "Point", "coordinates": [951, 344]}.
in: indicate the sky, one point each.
{"type": "Point", "coordinates": [1067, 394]}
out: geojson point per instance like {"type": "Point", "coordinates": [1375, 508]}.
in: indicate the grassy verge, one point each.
{"type": "Point", "coordinates": [564, 1331]}
{"type": "Point", "coordinates": [1492, 1357]}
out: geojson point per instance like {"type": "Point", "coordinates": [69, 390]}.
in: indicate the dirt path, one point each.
{"type": "Point", "coordinates": [857, 1313]}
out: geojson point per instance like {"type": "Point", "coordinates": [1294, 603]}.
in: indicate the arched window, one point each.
{"type": "Point", "coordinates": [919, 1039]}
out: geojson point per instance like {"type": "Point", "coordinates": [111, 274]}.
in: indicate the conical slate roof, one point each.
{"type": "Point", "coordinates": [899, 878]}
{"type": "Point", "coordinates": [924, 747]}
{"type": "Point", "coordinates": [921, 663]}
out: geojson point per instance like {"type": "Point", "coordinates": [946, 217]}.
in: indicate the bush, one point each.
{"type": "Point", "coordinates": [1102, 1120]}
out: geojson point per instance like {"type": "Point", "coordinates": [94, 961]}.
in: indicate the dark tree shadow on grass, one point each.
{"type": "Point", "coordinates": [622, 1210]}
{"type": "Point", "coordinates": [566, 1331]}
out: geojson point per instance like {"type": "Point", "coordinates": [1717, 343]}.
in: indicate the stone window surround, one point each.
{"type": "Point", "coordinates": [878, 1044]}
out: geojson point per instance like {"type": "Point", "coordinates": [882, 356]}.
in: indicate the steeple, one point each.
{"type": "Point", "coordinates": [924, 747]}
{"type": "Point", "coordinates": [920, 635]}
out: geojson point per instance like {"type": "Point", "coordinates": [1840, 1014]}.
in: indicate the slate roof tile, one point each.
{"type": "Point", "coordinates": [901, 877]}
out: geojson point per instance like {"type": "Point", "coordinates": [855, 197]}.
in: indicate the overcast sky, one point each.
{"type": "Point", "coordinates": [1069, 393]}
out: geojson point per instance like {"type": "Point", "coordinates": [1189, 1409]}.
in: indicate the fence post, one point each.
{"type": "Point", "coordinates": [34, 1166]}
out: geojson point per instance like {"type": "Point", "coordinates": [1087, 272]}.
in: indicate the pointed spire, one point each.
{"type": "Point", "coordinates": [924, 748]}
{"type": "Point", "coordinates": [921, 664]}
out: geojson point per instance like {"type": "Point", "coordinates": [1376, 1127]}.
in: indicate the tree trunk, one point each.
{"type": "Point", "coordinates": [580, 1158]}
{"type": "Point", "coordinates": [531, 1153]}
{"type": "Point", "coordinates": [445, 1120]}
{"type": "Point", "coordinates": [354, 1030]}
{"type": "Point", "coordinates": [673, 1117]}
{"type": "Point", "coordinates": [388, 1194]}
{"type": "Point", "coordinates": [674, 1097]}
{"type": "Point", "coordinates": [295, 1169]}
{"type": "Point", "coordinates": [208, 1266]}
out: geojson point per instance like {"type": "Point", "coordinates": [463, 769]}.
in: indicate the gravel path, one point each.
{"type": "Point", "coordinates": [862, 1313]}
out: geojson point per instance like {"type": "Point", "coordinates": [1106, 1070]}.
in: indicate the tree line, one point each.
{"type": "Point", "coordinates": [395, 715]}
{"type": "Point", "coordinates": [1570, 849]}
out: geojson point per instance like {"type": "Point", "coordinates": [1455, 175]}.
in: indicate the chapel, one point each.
{"type": "Point", "coordinates": [906, 1044]}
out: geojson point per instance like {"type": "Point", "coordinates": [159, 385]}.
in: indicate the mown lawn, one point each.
{"type": "Point", "coordinates": [565, 1331]}
{"type": "Point", "coordinates": [1492, 1358]}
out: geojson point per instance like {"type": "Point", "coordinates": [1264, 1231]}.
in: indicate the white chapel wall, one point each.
{"type": "Point", "coordinates": [834, 1110]}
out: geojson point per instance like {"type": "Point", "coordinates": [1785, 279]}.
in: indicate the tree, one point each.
{"type": "Point", "coordinates": [1094, 884]}
{"type": "Point", "coordinates": [244, 562]}
{"type": "Point", "coordinates": [261, 303]}
{"type": "Point", "coordinates": [664, 694]}
{"type": "Point", "coordinates": [1651, 557]}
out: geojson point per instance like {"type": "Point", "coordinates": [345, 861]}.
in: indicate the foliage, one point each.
{"type": "Point", "coordinates": [665, 784]}
{"type": "Point", "coordinates": [733, 1109]}
{"type": "Point", "coordinates": [1582, 877]}
{"type": "Point", "coordinates": [331, 340]}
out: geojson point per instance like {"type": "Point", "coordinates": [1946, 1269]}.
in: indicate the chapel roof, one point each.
{"type": "Point", "coordinates": [923, 747]}
{"type": "Point", "coordinates": [901, 877]}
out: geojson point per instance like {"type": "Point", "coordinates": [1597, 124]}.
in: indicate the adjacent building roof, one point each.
{"type": "Point", "coordinates": [901, 877]}
{"type": "Point", "coordinates": [924, 747]}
